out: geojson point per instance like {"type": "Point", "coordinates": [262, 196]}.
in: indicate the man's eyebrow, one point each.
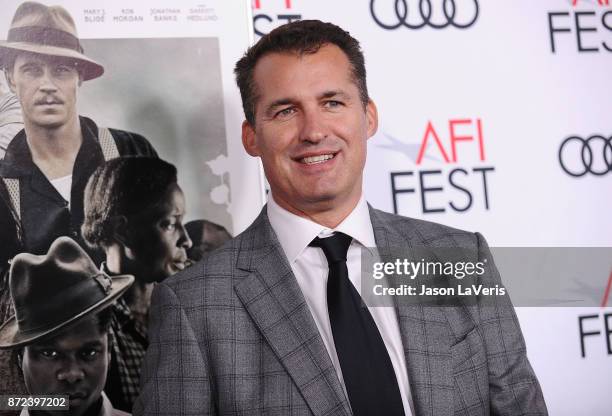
{"type": "Point", "coordinates": [286, 101]}
{"type": "Point", "coordinates": [29, 63]}
{"type": "Point", "coordinates": [279, 103]}
{"type": "Point", "coordinates": [43, 345]}
{"type": "Point", "coordinates": [334, 94]}
{"type": "Point", "coordinates": [92, 344]}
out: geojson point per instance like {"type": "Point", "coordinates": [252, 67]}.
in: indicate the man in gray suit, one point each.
{"type": "Point", "coordinates": [272, 323]}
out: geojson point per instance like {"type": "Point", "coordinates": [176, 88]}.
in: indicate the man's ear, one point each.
{"type": "Point", "coordinates": [249, 139]}
{"type": "Point", "coordinates": [371, 118]}
{"type": "Point", "coordinates": [19, 357]}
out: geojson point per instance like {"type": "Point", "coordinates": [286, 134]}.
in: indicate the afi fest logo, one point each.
{"type": "Point", "coordinates": [264, 22]}
{"type": "Point", "coordinates": [580, 156]}
{"type": "Point", "coordinates": [418, 14]}
{"type": "Point", "coordinates": [586, 27]}
{"type": "Point", "coordinates": [463, 183]}
{"type": "Point", "coordinates": [597, 326]}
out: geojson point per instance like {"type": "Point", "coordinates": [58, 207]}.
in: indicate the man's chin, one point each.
{"type": "Point", "coordinates": [80, 406]}
{"type": "Point", "coordinates": [49, 123]}
{"type": "Point", "coordinates": [323, 192]}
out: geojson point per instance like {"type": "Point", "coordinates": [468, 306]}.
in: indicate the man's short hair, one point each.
{"type": "Point", "coordinates": [301, 37]}
{"type": "Point", "coordinates": [8, 63]}
{"type": "Point", "coordinates": [125, 186]}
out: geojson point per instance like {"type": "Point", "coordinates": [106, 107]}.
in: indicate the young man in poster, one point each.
{"type": "Point", "coordinates": [47, 164]}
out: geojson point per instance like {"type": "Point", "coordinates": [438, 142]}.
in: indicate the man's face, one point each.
{"type": "Point", "coordinates": [46, 88]}
{"type": "Point", "coordinates": [310, 130]}
{"type": "Point", "coordinates": [158, 239]}
{"type": "Point", "coordinates": [73, 363]}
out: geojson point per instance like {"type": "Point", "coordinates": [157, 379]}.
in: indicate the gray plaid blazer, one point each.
{"type": "Point", "coordinates": [233, 335]}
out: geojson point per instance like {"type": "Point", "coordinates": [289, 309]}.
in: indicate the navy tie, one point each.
{"type": "Point", "coordinates": [366, 367]}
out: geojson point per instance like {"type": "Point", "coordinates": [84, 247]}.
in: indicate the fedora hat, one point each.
{"type": "Point", "coordinates": [54, 290]}
{"type": "Point", "coordinates": [48, 31]}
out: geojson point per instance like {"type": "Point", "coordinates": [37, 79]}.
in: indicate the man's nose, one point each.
{"type": "Point", "coordinates": [47, 83]}
{"type": "Point", "coordinates": [71, 372]}
{"type": "Point", "coordinates": [314, 128]}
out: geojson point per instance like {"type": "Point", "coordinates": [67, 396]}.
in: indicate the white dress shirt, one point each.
{"type": "Point", "coordinates": [310, 268]}
{"type": "Point", "coordinates": [63, 186]}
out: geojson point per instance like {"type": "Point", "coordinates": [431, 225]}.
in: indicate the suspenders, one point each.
{"type": "Point", "coordinates": [109, 150]}
{"type": "Point", "coordinates": [107, 143]}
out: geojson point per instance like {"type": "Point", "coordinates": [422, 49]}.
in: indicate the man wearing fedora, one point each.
{"type": "Point", "coordinates": [60, 328]}
{"type": "Point", "coordinates": [47, 164]}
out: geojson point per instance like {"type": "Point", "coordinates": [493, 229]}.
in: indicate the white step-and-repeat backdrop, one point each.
{"type": "Point", "coordinates": [496, 117]}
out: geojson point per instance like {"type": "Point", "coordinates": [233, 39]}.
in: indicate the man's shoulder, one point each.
{"type": "Point", "coordinates": [425, 232]}
{"type": "Point", "coordinates": [132, 144]}
{"type": "Point", "coordinates": [128, 143]}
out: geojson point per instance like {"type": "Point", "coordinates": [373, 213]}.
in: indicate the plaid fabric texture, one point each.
{"type": "Point", "coordinates": [232, 335]}
{"type": "Point", "coordinates": [129, 343]}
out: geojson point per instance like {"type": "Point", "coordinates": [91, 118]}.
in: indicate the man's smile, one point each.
{"type": "Point", "coordinates": [310, 160]}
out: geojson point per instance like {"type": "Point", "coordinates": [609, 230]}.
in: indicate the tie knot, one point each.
{"type": "Point", "coordinates": [334, 247]}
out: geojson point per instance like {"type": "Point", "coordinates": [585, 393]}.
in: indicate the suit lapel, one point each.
{"type": "Point", "coordinates": [425, 333]}
{"type": "Point", "coordinates": [273, 299]}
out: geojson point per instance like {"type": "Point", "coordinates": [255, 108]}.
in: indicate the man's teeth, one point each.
{"type": "Point", "coordinates": [316, 159]}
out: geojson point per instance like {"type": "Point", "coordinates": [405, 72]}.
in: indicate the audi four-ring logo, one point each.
{"type": "Point", "coordinates": [435, 14]}
{"type": "Point", "coordinates": [592, 160]}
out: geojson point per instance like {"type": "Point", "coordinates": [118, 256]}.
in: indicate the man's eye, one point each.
{"type": "Point", "coordinates": [31, 70]}
{"type": "Point", "coordinates": [90, 354]}
{"type": "Point", "coordinates": [333, 104]}
{"type": "Point", "coordinates": [49, 354]}
{"type": "Point", "coordinates": [285, 112]}
{"type": "Point", "coordinates": [63, 70]}
{"type": "Point", "coordinates": [170, 226]}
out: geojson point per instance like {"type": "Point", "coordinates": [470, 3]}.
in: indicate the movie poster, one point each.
{"type": "Point", "coordinates": [166, 91]}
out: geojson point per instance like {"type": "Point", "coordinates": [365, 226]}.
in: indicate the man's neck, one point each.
{"type": "Point", "coordinates": [54, 150]}
{"type": "Point", "coordinates": [328, 214]}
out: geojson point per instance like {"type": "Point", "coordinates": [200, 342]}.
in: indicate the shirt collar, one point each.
{"type": "Point", "coordinates": [107, 406]}
{"type": "Point", "coordinates": [18, 158]}
{"type": "Point", "coordinates": [295, 233]}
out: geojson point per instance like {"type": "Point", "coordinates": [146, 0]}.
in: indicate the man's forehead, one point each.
{"type": "Point", "coordinates": [32, 58]}
{"type": "Point", "coordinates": [82, 333]}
